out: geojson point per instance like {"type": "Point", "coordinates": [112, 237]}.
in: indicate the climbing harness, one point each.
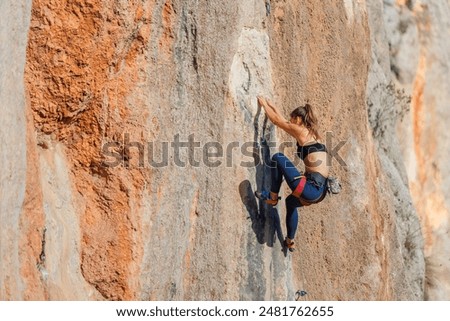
{"type": "Point", "coordinates": [333, 186]}
{"type": "Point", "coordinates": [300, 187]}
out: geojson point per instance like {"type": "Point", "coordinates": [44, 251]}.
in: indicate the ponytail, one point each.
{"type": "Point", "coordinates": [309, 119]}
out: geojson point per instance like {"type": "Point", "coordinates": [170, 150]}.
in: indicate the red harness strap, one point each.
{"type": "Point", "coordinates": [299, 190]}
{"type": "Point", "coordinates": [300, 187]}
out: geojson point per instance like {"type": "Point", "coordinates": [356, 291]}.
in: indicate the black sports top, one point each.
{"type": "Point", "coordinates": [303, 151]}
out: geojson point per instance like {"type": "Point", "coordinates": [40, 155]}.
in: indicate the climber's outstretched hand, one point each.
{"type": "Point", "coordinates": [262, 101]}
{"type": "Point", "coordinates": [276, 117]}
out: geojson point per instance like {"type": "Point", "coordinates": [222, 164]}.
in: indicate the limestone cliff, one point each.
{"type": "Point", "coordinates": [417, 34]}
{"type": "Point", "coordinates": [131, 148]}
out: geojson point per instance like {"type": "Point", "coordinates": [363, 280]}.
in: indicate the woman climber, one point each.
{"type": "Point", "coordinates": [308, 188]}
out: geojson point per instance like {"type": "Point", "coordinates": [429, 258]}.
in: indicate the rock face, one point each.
{"type": "Point", "coordinates": [417, 32]}
{"type": "Point", "coordinates": [135, 139]}
{"type": "Point", "coordinates": [14, 24]}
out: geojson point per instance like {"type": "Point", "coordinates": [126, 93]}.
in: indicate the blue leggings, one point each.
{"type": "Point", "coordinates": [282, 166]}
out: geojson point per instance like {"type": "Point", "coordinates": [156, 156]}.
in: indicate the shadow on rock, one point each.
{"type": "Point", "coordinates": [265, 219]}
{"type": "Point", "coordinates": [250, 202]}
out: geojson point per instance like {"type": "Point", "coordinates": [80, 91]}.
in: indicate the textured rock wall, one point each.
{"type": "Point", "coordinates": [14, 22]}
{"type": "Point", "coordinates": [417, 33]}
{"type": "Point", "coordinates": [141, 76]}
{"type": "Point", "coordinates": [387, 105]}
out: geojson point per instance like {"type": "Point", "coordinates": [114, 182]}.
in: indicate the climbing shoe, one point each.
{"type": "Point", "coordinates": [269, 198]}
{"type": "Point", "coordinates": [289, 244]}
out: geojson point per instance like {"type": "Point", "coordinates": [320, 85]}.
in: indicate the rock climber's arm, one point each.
{"type": "Point", "coordinates": [276, 117]}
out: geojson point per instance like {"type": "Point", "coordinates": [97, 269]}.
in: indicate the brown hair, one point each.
{"type": "Point", "coordinates": [308, 118]}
